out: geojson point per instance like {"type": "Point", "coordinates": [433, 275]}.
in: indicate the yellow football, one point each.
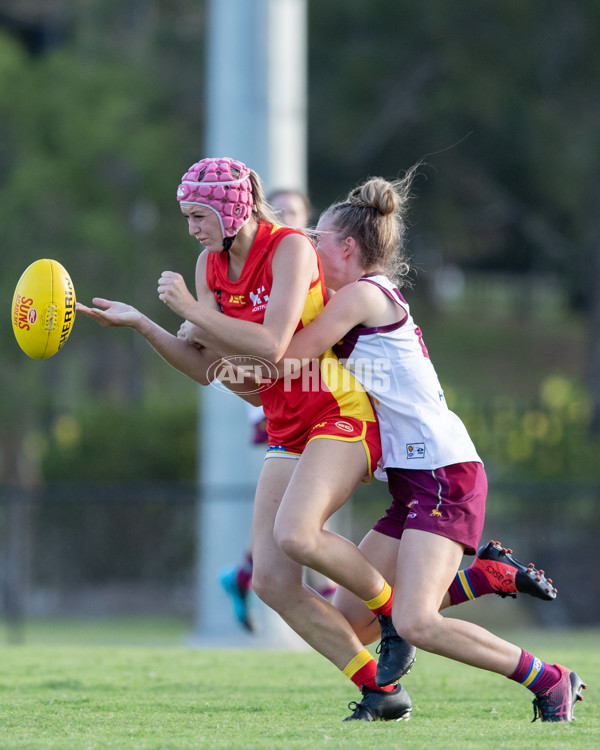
{"type": "Point", "coordinates": [43, 308]}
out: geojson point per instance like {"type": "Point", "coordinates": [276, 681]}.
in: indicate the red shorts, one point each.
{"type": "Point", "coordinates": [449, 501]}
{"type": "Point", "coordinates": [346, 429]}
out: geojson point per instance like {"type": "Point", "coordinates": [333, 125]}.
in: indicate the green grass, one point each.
{"type": "Point", "coordinates": [101, 631]}
{"type": "Point", "coordinates": [100, 695]}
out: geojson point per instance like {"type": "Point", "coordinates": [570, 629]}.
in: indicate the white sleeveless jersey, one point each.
{"type": "Point", "coordinates": [418, 431]}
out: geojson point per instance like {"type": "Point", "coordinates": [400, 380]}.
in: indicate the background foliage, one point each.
{"type": "Point", "coordinates": [102, 103]}
{"type": "Point", "coordinates": [101, 109]}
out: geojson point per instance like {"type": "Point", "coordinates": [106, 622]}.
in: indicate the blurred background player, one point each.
{"type": "Point", "coordinates": [293, 208]}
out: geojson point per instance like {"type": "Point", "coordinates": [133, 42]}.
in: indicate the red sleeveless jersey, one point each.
{"type": "Point", "coordinates": [295, 404]}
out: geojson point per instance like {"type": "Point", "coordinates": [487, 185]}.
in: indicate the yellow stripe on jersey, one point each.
{"type": "Point", "coordinates": [348, 392]}
{"type": "Point", "coordinates": [344, 387]}
{"type": "Point", "coordinates": [314, 304]}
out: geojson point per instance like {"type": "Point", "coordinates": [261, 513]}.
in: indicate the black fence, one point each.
{"type": "Point", "coordinates": [84, 549]}
{"type": "Point", "coordinates": [74, 549]}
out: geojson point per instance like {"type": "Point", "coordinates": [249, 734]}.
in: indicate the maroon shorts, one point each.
{"type": "Point", "coordinates": [449, 501]}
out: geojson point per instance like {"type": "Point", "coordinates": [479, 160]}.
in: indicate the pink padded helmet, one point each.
{"type": "Point", "coordinates": [222, 185]}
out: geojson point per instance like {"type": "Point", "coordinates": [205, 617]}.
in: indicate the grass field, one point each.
{"type": "Point", "coordinates": [75, 689]}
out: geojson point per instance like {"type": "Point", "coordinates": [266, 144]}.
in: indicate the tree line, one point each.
{"type": "Point", "coordinates": [102, 107]}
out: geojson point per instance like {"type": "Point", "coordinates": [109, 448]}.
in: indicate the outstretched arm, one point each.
{"type": "Point", "coordinates": [182, 351]}
{"type": "Point", "coordinates": [193, 361]}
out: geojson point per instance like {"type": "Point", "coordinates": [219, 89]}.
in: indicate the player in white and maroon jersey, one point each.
{"type": "Point", "coordinates": [435, 476]}
{"type": "Point", "coordinates": [393, 365]}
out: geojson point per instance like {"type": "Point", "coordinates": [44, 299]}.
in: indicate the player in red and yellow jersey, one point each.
{"type": "Point", "coordinates": [257, 284]}
{"type": "Point", "coordinates": [294, 415]}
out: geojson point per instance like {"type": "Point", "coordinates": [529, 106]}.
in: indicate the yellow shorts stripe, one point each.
{"type": "Point", "coordinates": [354, 439]}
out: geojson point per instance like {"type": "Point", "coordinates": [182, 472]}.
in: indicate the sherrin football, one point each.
{"type": "Point", "coordinates": [43, 308]}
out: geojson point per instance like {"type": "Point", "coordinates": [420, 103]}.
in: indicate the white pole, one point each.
{"type": "Point", "coordinates": [256, 87]}
{"type": "Point", "coordinates": [256, 112]}
{"type": "Point", "coordinates": [286, 82]}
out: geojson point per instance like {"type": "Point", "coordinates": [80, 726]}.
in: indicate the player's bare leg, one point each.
{"type": "Point", "coordinates": [332, 468]}
{"type": "Point", "coordinates": [277, 579]}
{"type": "Point", "coordinates": [382, 552]}
{"type": "Point", "coordinates": [427, 564]}
{"type": "Point", "coordinates": [325, 477]}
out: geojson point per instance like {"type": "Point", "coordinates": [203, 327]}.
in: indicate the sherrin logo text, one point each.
{"type": "Point", "coordinates": [69, 312]}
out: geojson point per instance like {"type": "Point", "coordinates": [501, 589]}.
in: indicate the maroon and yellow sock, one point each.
{"type": "Point", "coordinates": [468, 584]}
{"type": "Point", "coordinates": [361, 670]}
{"type": "Point", "coordinates": [535, 674]}
{"type": "Point", "coordinates": [382, 603]}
